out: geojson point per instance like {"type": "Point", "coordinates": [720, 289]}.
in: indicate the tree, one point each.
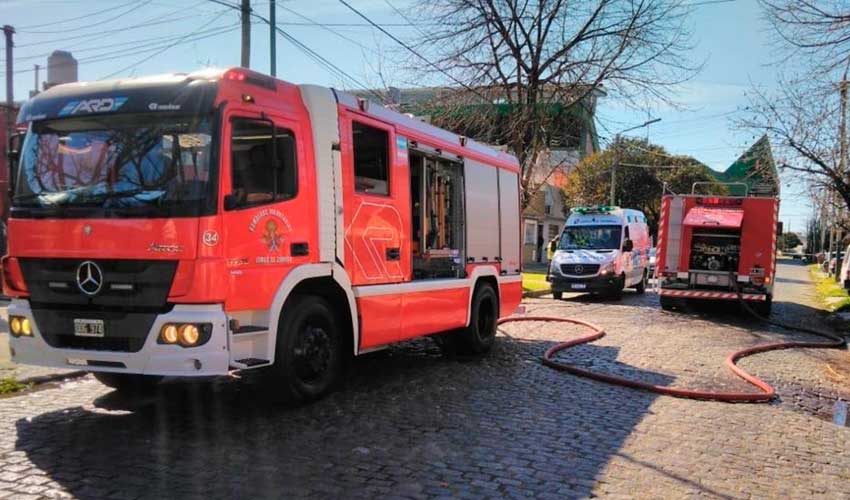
{"type": "Point", "coordinates": [541, 61]}
{"type": "Point", "coordinates": [637, 187]}
{"type": "Point", "coordinates": [789, 241]}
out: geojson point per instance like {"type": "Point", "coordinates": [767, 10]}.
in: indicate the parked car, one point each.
{"type": "Point", "coordinates": [652, 252]}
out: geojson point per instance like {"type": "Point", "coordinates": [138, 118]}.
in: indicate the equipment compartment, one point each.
{"type": "Point", "coordinates": [716, 251]}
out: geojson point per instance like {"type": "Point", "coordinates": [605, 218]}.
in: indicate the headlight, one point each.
{"type": "Point", "coordinates": [185, 334]}
{"type": "Point", "coordinates": [20, 326]}
{"type": "Point", "coordinates": [609, 267]}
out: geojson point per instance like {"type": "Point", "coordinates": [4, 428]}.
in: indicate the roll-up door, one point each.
{"type": "Point", "coordinates": [509, 214]}
{"type": "Point", "coordinates": [482, 211]}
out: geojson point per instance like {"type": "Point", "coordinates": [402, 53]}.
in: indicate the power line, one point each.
{"type": "Point", "coordinates": [181, 40]}
{"type": "Point", "coordinates": [323, 26]}
{"type": "Point", "coordinates": [412, 50]}
{"type": "Point", "coordinates": [84, 16]}
{"type": "Point", "coordinates": [137, 6]}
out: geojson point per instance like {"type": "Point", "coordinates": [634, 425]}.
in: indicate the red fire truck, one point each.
{"type": "Point", "coordinates": [717, 248]}
{"type": "Point", "coordinates": [195, 224]}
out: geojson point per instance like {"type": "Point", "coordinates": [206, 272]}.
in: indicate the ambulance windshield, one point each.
{"type": "Point", "coordinates": [590, 238]}
{"type": "Point", "coordinates": [131, 165]}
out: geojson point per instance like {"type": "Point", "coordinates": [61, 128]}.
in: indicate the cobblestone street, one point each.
{"type": "Point", "coordinates": [409, 422]}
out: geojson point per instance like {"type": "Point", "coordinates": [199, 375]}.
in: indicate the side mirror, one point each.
{"type": "Point", "coordinates": [628, 246]}
{"type": "Point", "coordinates": [231, 201]}
{"type": "Point", "coordinates": [13, 154]}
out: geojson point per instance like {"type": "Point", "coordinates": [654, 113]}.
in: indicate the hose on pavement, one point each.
{"type": "Point", "coordinates": [765, 391]}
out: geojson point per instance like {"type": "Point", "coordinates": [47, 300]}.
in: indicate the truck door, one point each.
{"type": "Point", "coordinates": [376, 194]}
{"type": "Point", "coordinates": [376, 197]}
{"type": "Point", "coordinates": [267, 214]}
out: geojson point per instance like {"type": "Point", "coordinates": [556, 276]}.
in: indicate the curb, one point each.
{"type": "Point", "coordinates": [533, 294]}
{"type": "Point", "coordinates": [43, 379]}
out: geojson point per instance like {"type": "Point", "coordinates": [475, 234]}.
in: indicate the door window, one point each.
{"type": "Point", "coordinates": [371, 159]}
{"type": "Point", "coordinates": [264, 166]}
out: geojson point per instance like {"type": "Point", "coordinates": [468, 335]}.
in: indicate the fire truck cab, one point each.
{"type": "Point", "coordinates": [195, 224]}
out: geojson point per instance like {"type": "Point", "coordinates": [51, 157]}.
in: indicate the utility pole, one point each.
{"type": "Point", "coordinates": [10, 92]}
{"type": "Point", "coordinates": [273, 37]}
{"type": "Point", "coordinates": [616, 146]}
{"type": "Point", "coordinates": [835, 234]}
{"type": "Point", "coordinates": [246, 33]}
{"type": "Point", "coordinates": [35, 87]}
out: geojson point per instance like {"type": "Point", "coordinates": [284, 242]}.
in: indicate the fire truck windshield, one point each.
{"type": "Point", "coordinates": [590, 238]}
{"type": "Point", "coordinates": [130, 165]}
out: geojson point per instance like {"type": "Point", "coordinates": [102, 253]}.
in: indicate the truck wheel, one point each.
{"type": "Point", "coordinates": [308, 357]}
{"type": "Point", "coordinates": [763, 308]}
{"type": "Point", "coordinates": [480, 335]}
{"type": "Point", "coordinates": [641, 287]}
{"type": "Point", "coordinates": [557, 295]}
{"type": "Point", "coordinates": [128, 382]}
{"type": "Point", "coordinates": [668, 303]}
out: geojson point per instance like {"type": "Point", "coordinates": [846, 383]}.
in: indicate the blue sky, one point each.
{"type": "Point", "coordinates": [143, 37]}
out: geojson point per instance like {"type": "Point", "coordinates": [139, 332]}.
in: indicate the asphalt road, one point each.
{"type": "Point", "coordinates": [411, 423]}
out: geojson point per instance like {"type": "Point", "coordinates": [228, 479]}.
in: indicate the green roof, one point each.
{"type": "Point", "coordinates": [755, 168]}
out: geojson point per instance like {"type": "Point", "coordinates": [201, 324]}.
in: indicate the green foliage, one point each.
{"type": "Point", "coordinates": [9, 385]}
{"type": "Point", "coordinates": [639, 188]}
{"type": "Point", "coordinates": [789, 241]}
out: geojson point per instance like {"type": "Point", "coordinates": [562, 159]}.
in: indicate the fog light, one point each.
{"type": "Point", "coordinates": [189, 335]}
{"type": "Point", "coordinates": [15, 325]}
{"type": "Point", "coordinates": [169, 334]}
{"type": "Point", "coordinates": [26, 327]}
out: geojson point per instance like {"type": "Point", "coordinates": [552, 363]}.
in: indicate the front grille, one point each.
{"type": "Point", "coordinates": [128, 310]}
{"type": "Point", "coordinates": [579, 269]}
{"type": "Point", "coordinates": [140, 284]}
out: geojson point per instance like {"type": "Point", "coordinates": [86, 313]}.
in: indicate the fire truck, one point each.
{"type": "Point", "coordinates": [719, 248]}
{"type": "Point", "coordinates": [197, 224]}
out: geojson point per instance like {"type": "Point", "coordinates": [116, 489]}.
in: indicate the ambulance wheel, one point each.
{"type": "Point", "coordinates": [616, 292]}
{"type": "Point", "coordinates": [308, 357]}
{"type": "Point", "coordinates": [128, 382]}
{"type": "Point", "coordinates": [641, 287]}
{"type": "Point", "coordinates": [557, 295]}
{"type": "Point", "coordinates": [480, 335]}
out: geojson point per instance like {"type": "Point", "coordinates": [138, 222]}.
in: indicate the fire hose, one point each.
{"type": "Point", "coordinates": [765, 391]}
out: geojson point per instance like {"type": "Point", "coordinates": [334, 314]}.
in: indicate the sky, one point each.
{"type": "Point", "coordinates": [112, 38]}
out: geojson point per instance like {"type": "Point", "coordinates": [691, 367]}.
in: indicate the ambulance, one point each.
{"type": "Point", "coordinates": [602, 250]}
{"type": "Point", "coordinates": [197, 224]}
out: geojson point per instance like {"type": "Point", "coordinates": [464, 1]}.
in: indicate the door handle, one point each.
{"type": "Point", "coordinates": [299, 249]}
{"type": "Point", "coordinates": [393, 254]}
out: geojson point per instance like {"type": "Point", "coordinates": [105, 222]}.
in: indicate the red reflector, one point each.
{"type": "Point", "coordinates": [719, 201]}
{"type": "Point", "coordinates": [13, 278]}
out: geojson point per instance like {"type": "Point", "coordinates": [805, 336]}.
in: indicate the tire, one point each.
{"type": "Point", "coordinates": [641, 287]}
{"type": "Point", "coordinates": [128, 382]}
{"type": "Point", "coordinates": [763, 308]}
{"type": "Point", "coordinates": [477, 338]}
{"type": "Point", "coordinates": [668, 303]}
{"type": "Point", "coordinates": [616, 293]}
{"type": "Point", "coordinates": [308, 351]}
{"type": "Point", "coordinates": [557, 295]}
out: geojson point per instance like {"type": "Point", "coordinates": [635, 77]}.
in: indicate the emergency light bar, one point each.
{"type": "Point", "coordinates": [251, 78]}
{"type": "Point", "coordinates": [718, 201]}
{"type": "Point", "coordinates": [602, 209]}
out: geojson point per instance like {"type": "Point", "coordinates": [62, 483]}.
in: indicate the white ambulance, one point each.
{"type": "Point", "coordinates": [602, 250]}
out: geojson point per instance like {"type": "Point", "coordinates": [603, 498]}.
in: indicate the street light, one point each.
{"type": "Point", "coordinates": [617, 154]}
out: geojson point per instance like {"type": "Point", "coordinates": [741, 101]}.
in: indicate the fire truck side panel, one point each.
{"type": "Point", "coordinates": [758, 237]}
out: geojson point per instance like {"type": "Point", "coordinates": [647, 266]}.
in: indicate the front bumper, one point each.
{"type": "Point", "coordinates": [211, 358]}
{"type": "Point", "coordinates": [594, 284]}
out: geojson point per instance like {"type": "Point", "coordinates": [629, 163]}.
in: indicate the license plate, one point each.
{"type": "Point", "coordinates": [88, 327]}
{"type": "Point", "coordinates": [578, 286]}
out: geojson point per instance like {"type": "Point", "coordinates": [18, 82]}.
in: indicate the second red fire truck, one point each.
{"type": "Point", "coordinates": [719, 248]}
{"type": "Point", "coordinates": [194, 224]}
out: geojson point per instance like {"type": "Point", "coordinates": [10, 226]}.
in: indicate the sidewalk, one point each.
{"type": "Point", "coordinates": [24, 373]}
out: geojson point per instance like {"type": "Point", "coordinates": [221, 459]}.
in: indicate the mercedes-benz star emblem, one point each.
{"type": "Point", "coordinates": [89, 278]}
{"type": "Point", "coordinates": [578, 268]}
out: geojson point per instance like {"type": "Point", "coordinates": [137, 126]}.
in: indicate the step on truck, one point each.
{"type": "Point", "coordinates": [197, 224]}
{"type": "Point", "coordinates": [717, 248]}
